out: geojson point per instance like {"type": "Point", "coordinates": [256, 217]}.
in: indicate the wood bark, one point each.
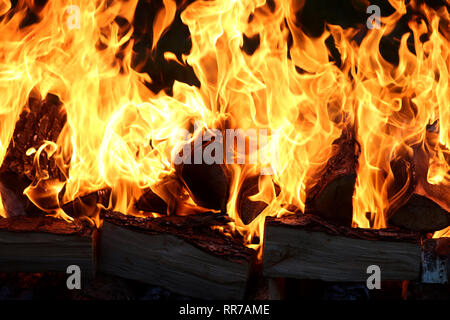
{"type": "Point", "coordinates": [182, 254]}
{"type": "Point", "coordinates": [41, 120]}
{"type": "Point", "coordinates": [308, 247]}
{"type": "Point", "coordinates": [43, 243]}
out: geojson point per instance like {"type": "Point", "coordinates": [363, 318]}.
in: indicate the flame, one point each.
{"type": "Point", "coordinates": [121, 135]}
{"type": "Point", "coordinates": [395, 105]}
{"type": "Point", "coordinates": [442, 233]}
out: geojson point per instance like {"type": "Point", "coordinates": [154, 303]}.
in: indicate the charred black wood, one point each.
{"type": "Point", "coordinates": [208, 184]}
{"type": "Point", "coordinates": [88, 205]}
{"type": "Point", "coordinates": [331, 196]}
{"type": "Point", "coordinates": [41, 120]}
{"type": "Point", "coordinates": [248, 209]}
{"type": "Point", "coordinates": [420, 214]}
{"type": "Point", "coordinates": [151, 202]}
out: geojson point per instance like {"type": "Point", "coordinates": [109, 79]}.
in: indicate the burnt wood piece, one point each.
{"type": "Point", "coordinates": [151, 202]}
{"type": "Point", "coordinates": [43, 243]}
{"type": "Point", "coordinates": [248, 210]}
{"type": "Point", "coordinates": [87, 205]}
{"type": "Point", "coordinates": [420, 214]}
{"type": "Point", "coordinates": [308, 247]}
{"type": "Point", "coordinates": [182, 254]}
{"type": "Point", "coordinates": [40, 120]}
{"type": "Point", "coordinates": [423, 207]}
{"type": "Point", "coordinates": [14, 201]}
{"type": "Point", "coordinates": [439, 193]}
{"type": "Point", "coordinates": [207, 184]}
{"type": "Point", "coordinates": [331, 197]}
{"type": "Point", "coordinates": [436, 260]}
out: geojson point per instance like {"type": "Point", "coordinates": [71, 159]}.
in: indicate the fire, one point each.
{"type": "Point", "coordinates": [121, 135]}
{"type": "Point", "coordinates": [395, 105]}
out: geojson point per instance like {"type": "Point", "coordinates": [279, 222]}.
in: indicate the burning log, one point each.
{"type": "Point", "coordinates": [151, 202]}
{"type": "Point", "coordinates": [425, 206]}
{"type": "Point", "coordinates": [308, 247]}
{"type": "Point", "coordinates": [207, 184]}
{"type": "Point", "coordinates": [185, 254]}
{"type": "Point", "coordinates": [43, 243]}
{"type": "Point", "coordinates": [248, 210]}
{"type": "Point", "coordinates": [439, 193]}
{"type": "Point", "coordinates": [41, 120]}
{"type": "Point", "coordinates": [14, 201]}
{"type": "Point", "coordinates": [421, 214]}
{"type": "Point", "coordinates": [87, 205]}
{"type": "Point", "coordinates": [337, 181]}
{"type": "Point", "coordinates": [165, 197]}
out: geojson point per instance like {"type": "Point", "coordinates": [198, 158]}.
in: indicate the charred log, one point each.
{"type": "Point", "coordinates": [331, 196]}
{"type": "Point", "coordinates": [87, 205]}
{"type": "Point", "coordinates": [41, 120]}
{"type": "Point", "coordinates": [14, 201]}
{"type": "Point", "coordinates": [151, 202]}
{"type": "Point", "coordinates": [248, 209]}
{"type": "Point", "coordinates": [439, 193]}
{"type": "Point", "coordinates": [421, 214]}
{"type": "Point", "coordinates": [208, 184]}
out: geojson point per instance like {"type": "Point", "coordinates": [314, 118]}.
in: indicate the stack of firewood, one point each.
{"type": "Point", "coordinates": [198, 253]}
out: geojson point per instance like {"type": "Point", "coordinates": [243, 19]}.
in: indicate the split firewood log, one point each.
{"type": "Point", "coordinates": [184, 254]}
{"type": "Point", "coordinates": [87, 205]}
{"type": "Point", "coordinates": [151, 202]}
{"type": "Point", "coordinates": [167, 197]}
{"type": "Point", "coordinates": [305, 246]}
{"type": "Point", "coordinates": [14, 201]}
{"type": "Point", "coordinates": [439, 193]}
{"type": "Point", "coordinates": [421, 214]}
{"type": "Point", "coordinates": [42, 243]}
{"type": "Point", "coordinates": [248, 209]}
{"type": "Point", "coordinates": [207, 184]}
{"type": "Point", "coordinates": [425, 206]}
{"type": "Point", "coordinates": [331, 196]}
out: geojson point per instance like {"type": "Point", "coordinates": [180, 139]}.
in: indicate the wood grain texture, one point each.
{"type": "Point", "coordinates": [39, 244]}
{"type": "Point", "coordinates": [177, 253]}
{"type": "Point", "coordinates": [307, 247]}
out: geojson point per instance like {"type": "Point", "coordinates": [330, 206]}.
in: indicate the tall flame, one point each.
{"type": "Point", "coordinates": [121, 135]}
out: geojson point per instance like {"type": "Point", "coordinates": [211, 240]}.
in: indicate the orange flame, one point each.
{"type": "Point", "coordinates": [121, 135]}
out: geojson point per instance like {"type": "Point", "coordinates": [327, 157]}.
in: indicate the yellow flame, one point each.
{"type": "Point", "coordinates": [121, 135]}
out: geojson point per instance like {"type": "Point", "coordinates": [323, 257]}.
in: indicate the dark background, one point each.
{"type": "Point", "coordinates": [312, 19]}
